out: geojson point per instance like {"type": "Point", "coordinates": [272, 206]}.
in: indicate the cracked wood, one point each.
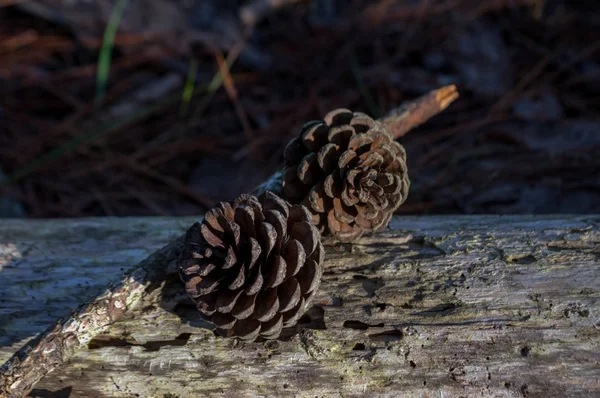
{"type": "Point", "coordinates": [433, 306]}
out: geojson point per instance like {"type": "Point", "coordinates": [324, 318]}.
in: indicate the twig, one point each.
{"type": "Point", "coordinates": [417, 112]}
{"type": "Point", "coordinates": [57, 344]}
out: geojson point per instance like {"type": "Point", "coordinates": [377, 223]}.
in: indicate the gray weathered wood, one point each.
{"type": "Point", "coordinates": [57, 344]}
{"type": "Point", "coordinates": [434, 306]}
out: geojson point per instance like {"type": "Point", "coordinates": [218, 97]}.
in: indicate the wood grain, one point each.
{"type": "Point", "coordinates": [434, 306]}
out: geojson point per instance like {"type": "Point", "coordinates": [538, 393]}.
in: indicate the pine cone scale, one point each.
{"type": "Point", "coordinates": [308, 171]}
{"type": "Point", "coordinates": [244, 218]}
{"type": "Point", "coordinates": [304, 233]}
{"type": "Point", "coordinates": [273, 327]}
{"type": "Point", "coordinates": [341, 135]}
{"type": "Point", "coordinates": [238, 281]}
{"type": "Point", "coordinates": [314, 136]}
{"type": "Point", "coordinates": [345, 159]}
{"type": "Point", "coordinates": [295, 150]}
{"type": "Point", "coordinates": [226, 300]}
{"type": "Point", "coordinates": [268, 237]}
{"type": "Point", "coordinates": [256, 284]}
{"type": "Point", "coordinates": [223, 321]}
{"type": "Point", "coordinates": [244, 307]}
{"type": "Point", "coordinates": [230, 259]}
{"type": "Point", "coordinates": [316, 198]}
{"type": "Point", "coordinates": [342, 212]}
{"type": "Point", "coordinates": [289, 294]}
{"type": "Point", "coordinates": [277, 272]}
{"type": "Point", "coordinates": [309, 277]}
{"type": "Point", "coordinates": [293, 188]}
{"type": "Point", "coordinates": [268, 305]}
{"type": "Point", "coordinates": [291, 317]}
{"type": "Point", "coordinates": [207, 305]}
{"type": "Point", "coordinates": [327, 157]}
{"type": "Point", "coordinates": [294, 256]}
{"type": "Point", "coordinates": [207, 284]}
{"type": "Point", "coordinates": [332, 186]}
{"type": "Point", "coordinates": [247, 330]}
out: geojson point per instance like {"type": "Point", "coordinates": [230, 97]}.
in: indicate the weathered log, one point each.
{"type": "Point", "coordinates": [433, 306]}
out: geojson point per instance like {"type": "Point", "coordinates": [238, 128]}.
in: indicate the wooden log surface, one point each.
{"type": "Point", "coordinates": [439, 306]}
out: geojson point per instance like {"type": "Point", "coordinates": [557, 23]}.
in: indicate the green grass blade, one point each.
{"type": "Point", "coordinates": [212, 88]}
{"type": "Point", "coordinates": [105, 55]}
{"type": "Point", "coordinates": [188, 89]}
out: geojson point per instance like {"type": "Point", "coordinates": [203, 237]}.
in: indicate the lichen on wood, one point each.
{"type": "Point", "coordinates": [433, 306]}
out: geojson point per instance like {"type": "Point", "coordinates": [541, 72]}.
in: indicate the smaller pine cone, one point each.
{"type": "Point", "coordinates": [252, 267]}
{"type": "Point", "coordinates": [348, 170]}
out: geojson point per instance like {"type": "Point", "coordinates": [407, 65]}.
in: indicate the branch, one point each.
{"type": "Point", "coordinates": [57, 345]}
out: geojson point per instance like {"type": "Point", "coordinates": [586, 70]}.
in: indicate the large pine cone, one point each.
{"type": "Point", "coordinates": [348, 170]}
{"type": "Point", "coordinates": [253, 266]}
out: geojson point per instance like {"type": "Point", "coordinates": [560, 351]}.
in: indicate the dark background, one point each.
{"type": "Point", "coordinates": [524, 136]}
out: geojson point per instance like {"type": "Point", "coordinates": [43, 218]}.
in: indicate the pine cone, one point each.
{"type": "Point", "coordinates": [348, 170]}
{"type": "Point", "coordinates": [253, 266]}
